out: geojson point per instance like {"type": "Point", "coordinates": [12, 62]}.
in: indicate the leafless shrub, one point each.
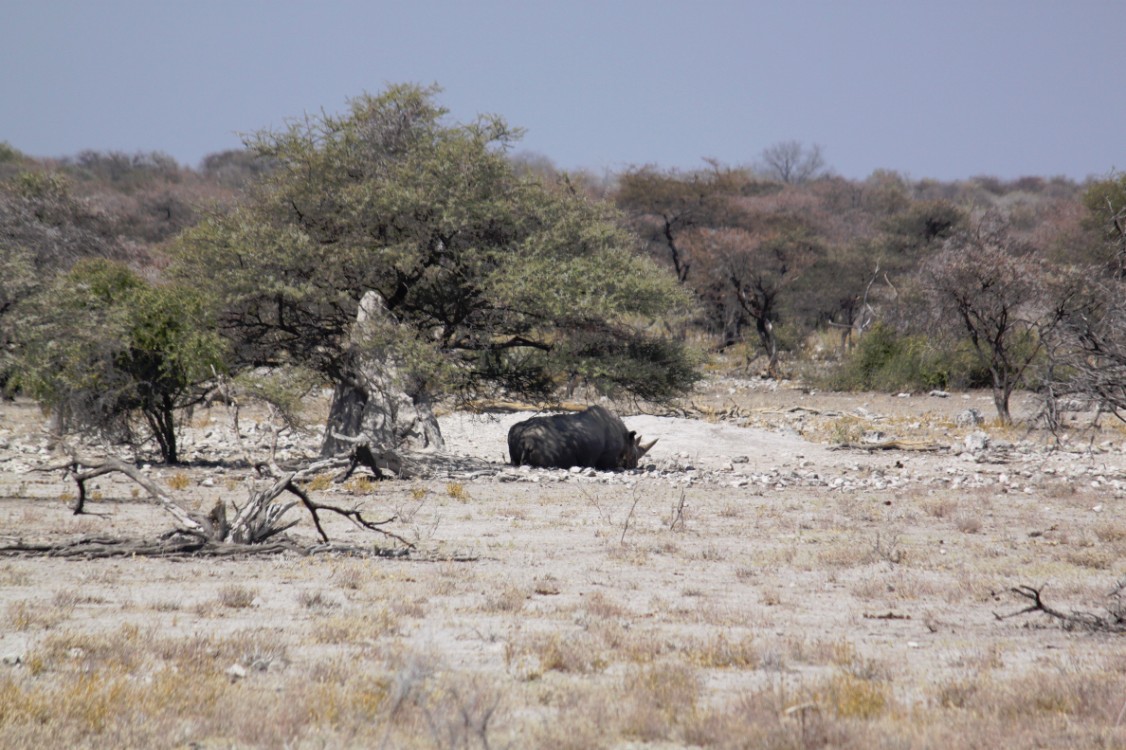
{"type": "Point", "coordinates": [967, 523]}
{"type": "Point", "coordinates": [511, 598]}
{"type": "Point", "coordinates": [658, 699]}
{"type": "Point", "coordinates": [886, 547]}
{"type": "Point", "coordinates": [677, 514]}
{"type": "Point", "coordinates": [234, 596]}
{"type": "Point", "coordinates": [315, 599]}
{"type": "Point", "coordinates": [30, 614]}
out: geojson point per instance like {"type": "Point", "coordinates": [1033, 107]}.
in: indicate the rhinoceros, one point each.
{"type": "Point", "coordinates": [594, 437]}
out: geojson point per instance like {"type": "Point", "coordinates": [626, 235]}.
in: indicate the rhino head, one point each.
{"type": "Point", "coordinates": [633, 450]}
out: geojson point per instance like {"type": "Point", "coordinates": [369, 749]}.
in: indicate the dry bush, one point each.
{"type": "Point", "coordinates": [943, 506]}
{"type": "Point", "coordinates": [178, 481]}
{"type": "Point", "coordinates": [577, 653]}
{"type": "Point", "coordinates": [319, 483]}
{"type": "Point", "coordinates": [259, 649]}
{"type": "Point", "coordinates": [745, 573]}
{"type": "Point", "coordinates": [32, 614]}
{"type": "Point", "coordinates": [598, 605]}
{"type": "Point", "coordinates": [455, 711]}
{"type": "Point", "coordinates": [315, 599]}
{"type": "Point", "coordinates": [107, 710]}
{"type": "Point", "coordinates": [723, 652]}
{"type": "Point", "coordinates": [657, 700]}
{"type": "Point", "coordinates": [770, 596]}
{"type": "Point", "coordinates": [511, 598]}
{"type": "Point", "coordinates": [360, 485]}
{"type": "Point", "coordinates": [349, 576]}
{"type": "Point", "coordinates": [414, 608]}
{"type": "Point", "coordinates": [14, 575]}
{"type": "Point", "coordinates": [235, 596]}
{"type": "Point", "coordinates": [457, 491]}
{"type": "Point", "coordinates": [585, 718]}
{"type": "Point", "coordinates": [365, 628]}
{"type": "Point", "coordinates": [166, 605]}
{"type": "Point", "coordinates": [850, 697]}
{"type": "Point", "coordinates": [1095, 558]}
{"type": "Point", "coordinates": [122, 650]}
{"type": "Point", "coordinates": [1111, 532]}
{"type": "Point", "coordinates": [846, 553]}
{"type": "Point", "coordinates": [628, 553]}
{"type": "Point", "coordinates": [623, 642]}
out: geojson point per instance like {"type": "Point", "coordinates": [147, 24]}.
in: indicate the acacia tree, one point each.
{"type": "Point", "coordinates": [1091, 345]}
{"type": "Point", "coordinates": [475, 278]}
{"type": "Point", "coordinates": [792, 163]}
{"type": "Point", "coordinates": [100, 347]}
{"type": "Point", "coordinates": [664, 207]}
{"type": "Point", "coordinates": [997, 291]}
{"type": "Point", "coordinates": [747, 275]}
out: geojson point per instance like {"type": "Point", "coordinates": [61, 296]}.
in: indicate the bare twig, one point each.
{"type": "Point", "coordinates": [678, 512]}
{"type": "Point", "coordinates": [629, 516]}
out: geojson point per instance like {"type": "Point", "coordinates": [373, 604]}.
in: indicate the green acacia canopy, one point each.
{"type": "Point", "coordinates": [99, 346]}
{"type": "Point", "coordinates": [495, 279]}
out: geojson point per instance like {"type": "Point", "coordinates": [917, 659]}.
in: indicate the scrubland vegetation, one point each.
{"type": "Point", "coordinates": [582, 613]}
{"type": "Point", "coordinates": [506, 276]}
{"type": "Point", "coordinates": [780, 607]}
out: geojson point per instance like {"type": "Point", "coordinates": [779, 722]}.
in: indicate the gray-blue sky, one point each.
{"type": "Point", "coordinates": [932, 89]}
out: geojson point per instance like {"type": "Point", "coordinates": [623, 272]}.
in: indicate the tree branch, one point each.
{"type": "Point", "coordinates": [1113, 622]}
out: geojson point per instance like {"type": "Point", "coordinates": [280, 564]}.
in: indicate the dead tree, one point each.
{"type": "Point", "coordinates": [259, 520]}
{"type": "Point", "coordinates": [1114, 621]}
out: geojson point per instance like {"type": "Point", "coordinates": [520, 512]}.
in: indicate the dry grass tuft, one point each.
{"type": "Point", "coordinates": [364, 628]}
{"type": "Point", "coordinates": [31, 614]}
{"type": "Point", "coordinates": [851, 697]}
{"type": "Point", "coordinates": [578, 653]}
{"type": "Point", "coordinates": [658, 700]}
{"type": "Point", "coordinates": [319, 483]}
{"type": "Point", "coordinates": [14, 575]}
{"type": "Point", "coordinates": [457, 491]}
{"type": "Point", "coordinates": [179, 481]}
{"type": "Point", "coordinates": [235, 596]}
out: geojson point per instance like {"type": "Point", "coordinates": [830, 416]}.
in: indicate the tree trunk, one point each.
{"type": "Point", "coordinates": [769, 343]}
{"type": "Point", "coordinates": [377, 402]}
{"type": "Point", "coordinates": [1001, 401]}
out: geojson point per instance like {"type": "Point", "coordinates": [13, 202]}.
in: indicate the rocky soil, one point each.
{"type": "Point", "coordinates": [878, 534]}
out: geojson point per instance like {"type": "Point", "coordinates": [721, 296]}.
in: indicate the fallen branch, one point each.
{"type": "Point", "coordinates": [259, 520]}
{"type": "Point", "coordinates": [73, 466]}
{"type": "Point", "coordinates": [363, 455]}
{"type": "Point", "coordinates": [1113, 622]}
{"type": "Point", "coordinates": [352, 515]}
{"type": "Point", "coordinates": [176, 545]}
{"type": "Point", "coordinates": [893, 445]}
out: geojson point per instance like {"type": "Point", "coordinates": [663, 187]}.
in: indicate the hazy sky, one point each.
{"type": "Point", "coordinates": [943, 89]}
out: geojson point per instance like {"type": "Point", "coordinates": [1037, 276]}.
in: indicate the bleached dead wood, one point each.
{"type": "Point", "coordinates": [82, 470]}
{"type": "Point", "coordinates": [259, 520]}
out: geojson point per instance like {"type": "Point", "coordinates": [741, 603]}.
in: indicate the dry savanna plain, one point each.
{"type": "Point", "coordinates": [787, 569]}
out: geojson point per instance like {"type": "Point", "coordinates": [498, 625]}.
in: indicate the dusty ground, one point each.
{"type": "Point", "coordinates": [820, 595]}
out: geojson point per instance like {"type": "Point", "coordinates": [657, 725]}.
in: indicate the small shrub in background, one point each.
{"type": "Point", "coordinates": [884, 360]}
